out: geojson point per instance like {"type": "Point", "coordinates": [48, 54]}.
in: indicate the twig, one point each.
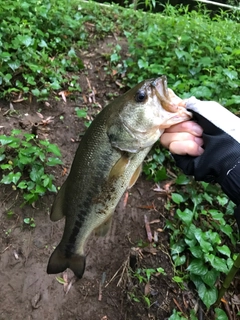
{"type": "Point", "coordinates": [6, 249]}
{"type": "Point", "coordinates": [226, 307]}
{"type": "Point", "coordinates": [124, 265]}
{"type": "Point", "coordinates": [125, 200]}
{"type": "Point", "coordinates": [148, 229]}
{"type": "Point", "coordinates": [101, 285]}
{"type": "Point", "coordinates": [124, 268]}
{"type": "Point", "coordinates": [177, 304]}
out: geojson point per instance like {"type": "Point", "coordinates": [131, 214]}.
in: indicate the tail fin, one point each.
{"type": "Point", "coordinates": [58, 263]}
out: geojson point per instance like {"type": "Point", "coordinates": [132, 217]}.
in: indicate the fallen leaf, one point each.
{"type": "Point", "coordinates": [147, 289]}
{"type": "Point", "coordinates": [64, 172]}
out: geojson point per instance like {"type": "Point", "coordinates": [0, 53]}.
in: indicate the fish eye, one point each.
{"type": "Point", "coordinates": [141, 95]}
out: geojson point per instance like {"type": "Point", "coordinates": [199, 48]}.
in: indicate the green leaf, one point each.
{"type": "Point", "coordinates": [22, 185]}
{"type": "Point", "coordinates": [36, 173]}
{"type": "Point", "coordinates": [222, 200]}
{"type": "Point", "coordinates": [224, 250]}
{"type": "Point", "coordinates": [176, 316]}
{"type": "Point", "coordinates": [160, 175]}
{"type": "Point", "coordinates": [11, 178]}
{"type": "Point", "coordinates": [178, 247]}
{"type": "Point", "coordinates": [201, 92]}
{"type": "Point", "coordinates": [46, 181]}
{"type": "Point", "coordinates": [193, 315]}
{"type": "Point", "coordinates": [178, 279]}
{"type": "Point", "coordinates": [161, 270]}
{"type": "Point", "coordinates": [27, 220]}
{"type": "Point", "coordinates": [220, 314]}
{"type": "Point", "coordinates": [196, 252]}
{"type": "Point", "coordinates": [217, 263]}
{"type": "Point", "coordinates": [179, 260]}
{"type": "Point", "coordinates": [43, 44]}
{"type": "Point", "coordinates": [210, 277]}
{"type": "Point", "coordinates": [14, 65]}
{"type": "Point", "coordinates": [114, 57]}
{"type": "Point", "coordinates": [81, 113]}
{"type": "Point", "coordinates": [190, 242]}
{"type": "Point", "coordinates": [6, 140]}
{"type": "Point", "coordinates": [217, 215]}
{"type": "Point", "coordinates": [227, 229]}
{"type": "Point", "coordinates": [54, 149]}
{"type": "Point", "coordinates": [5, 56]}
{"type": "Point", "coordinates": [53, 161]}
{"type": "Point", "coordinates": [205, 245]}
{"type": "Point", "coordinates": [142, 64]}
{"type": "Point", "coordinates": [29, 137]}
{"type": "Point", "coordinates": [6, 167]}
{"type": "Point", "coordinates": [182, 179]}
{"type": "Point", "coordinates": [40, 189]}
{"type": "Point", "coordinates": [25, 159]}
{"type": "Point", "coordinates": [177, 198]}
{"type": "Point", "coordinates": [26, 40]}
{"type": "Point", "coordinates": [231, 74]}
{"type": "Point", "coordinates": [52, 188]}
{"type": "Point", "coordinates": [60, 280]}
{"type": "Point", "coordinates": [208, 295]}
{"type": "Point", "coordinates": [186, 216]}
{"type": "Point", "coordinates": [31, 197]}
{"type": "Point", "coordinates": [198, 267]}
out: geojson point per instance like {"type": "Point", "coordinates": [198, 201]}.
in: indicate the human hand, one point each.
{"type": "Point", "coordinates": [220, 161]}
{"type": "Point", "coordinates": [183, 138]}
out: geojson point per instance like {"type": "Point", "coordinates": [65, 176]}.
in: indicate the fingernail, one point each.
{"type": "Point", "coordinates": [197, 129]}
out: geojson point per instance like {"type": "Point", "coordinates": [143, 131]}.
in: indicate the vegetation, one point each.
{"type": "Point", "coordinates": [39, 55]}
{"type": "Point", "coordinates": [23, 161]}
{"type": "Point", "coordinates": [38, 47]}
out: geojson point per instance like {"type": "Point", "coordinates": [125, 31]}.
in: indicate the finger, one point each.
{"type": "Point", "coordinates": [189, 147]}
{"type": "Point", "coordinates": [167, 138]}
{"type": "Point", "coordinates": [186, 126]}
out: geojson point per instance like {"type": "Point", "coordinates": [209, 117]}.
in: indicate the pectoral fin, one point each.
{"type": "Point", "coordinates": [135, 176]}
{"type": "Point", "coordinates": [119, 167]}
{"type": "Point", "coordinates": [57, 208]}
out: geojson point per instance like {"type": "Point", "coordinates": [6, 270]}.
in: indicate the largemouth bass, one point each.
{"type": "Point", "coordinates": [107, 162]}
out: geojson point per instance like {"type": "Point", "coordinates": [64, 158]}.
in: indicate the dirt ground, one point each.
{"type": "Point", "coordinates": [106, 291]}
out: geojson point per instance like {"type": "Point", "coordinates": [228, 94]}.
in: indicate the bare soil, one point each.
{"type": "Point", "coordinates": [107, 290]}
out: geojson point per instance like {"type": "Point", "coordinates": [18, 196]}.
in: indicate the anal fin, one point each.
{"type": "Point", "coordinates": [103, 229]}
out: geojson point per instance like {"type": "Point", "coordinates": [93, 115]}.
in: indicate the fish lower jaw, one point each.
{"type": "Point", "coordinates": [175, 119]}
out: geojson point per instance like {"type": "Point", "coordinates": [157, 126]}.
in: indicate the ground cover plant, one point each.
{"type": "Point", "coordinates": [38, 47]}
{"type": "Point", "coordinates": [24, 159]}
{"type": "Point", "coordinates": [39, 56]}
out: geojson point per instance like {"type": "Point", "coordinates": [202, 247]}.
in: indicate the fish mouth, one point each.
{"type": "Point", "coordinates": [171, 103]}
{"type": "Point", "coordinates": [168, 99]}
{"type": "Point", "coordinates": [181, 116]}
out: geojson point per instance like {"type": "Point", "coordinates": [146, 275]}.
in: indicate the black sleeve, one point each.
{"type": "Point", "coordinates": [220, 161]}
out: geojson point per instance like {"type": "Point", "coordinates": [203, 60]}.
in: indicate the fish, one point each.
{"type": "Point", "coordinates": [107, 162]}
